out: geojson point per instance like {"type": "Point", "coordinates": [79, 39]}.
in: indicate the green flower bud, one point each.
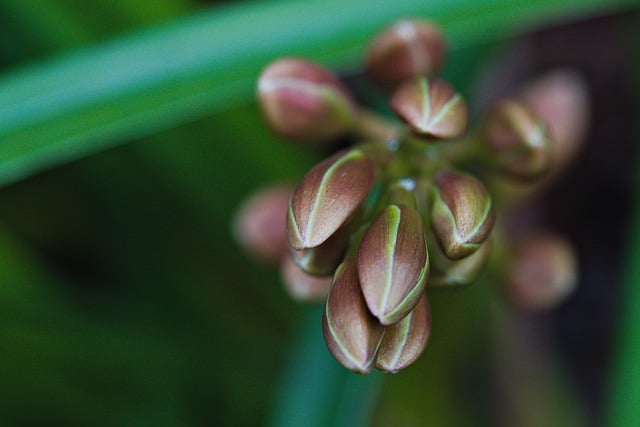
{"type": "Point", "coordinates": [302, 100]}
{"type": "Point", "coordinates": [352, 334]}
{"type": "Point", "coordinates": [431, 108]}
{"type": "Point", "coordinates": [543, 273]}
{"type": "Point", "coordinates": [323, 260]}
{"type": "Point", "coordinates": [327, 197]}
{"type": "Point", "coordinates": [405, 50]}
{"type": "Point", "coordinates": [518, 139]}
{"type": "Point", "coordinates": [453, 274]}
{"type": "Point", "coordinates": [393, 263]}
{"type": "Point", "coordinates": [405, 341]}
{"type": "Point", "coordinates": [462, 214]}
{"type": "Point", "coordinates": [302, 286]}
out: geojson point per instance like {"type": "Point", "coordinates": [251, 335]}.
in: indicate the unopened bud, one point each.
{"type": "Point", "coordinates": [543, 274]}
{"type": "Point", "coordinates": [561, 99]}
{"type": "Point", "coordinates": [323, 260]}
{"type": "Point", "coordinates": [393, 263]}
{"type": "Point", "coordinates": [406, 49]}
{"type": "Point", "coordinates": [328, 195]}
{"type": "Point", "coordinates": [352, 334]}
{"type": "Point", "coordinates": [431, 108]}
{"type": "Point", "coordinates": [405, 341]}
{"type": "Point", "coordinates": [302, 286]}
{"type": "Point", "coordinates": [302, 100]}
{"type": "Point", "coordinates": [518, 139]}
{"type": "Point", "coordinates": [259, 224]}
{"type": "Point", "coordinates": [462, 215]}
{"type": "Point", "coordinates": [453, 274]}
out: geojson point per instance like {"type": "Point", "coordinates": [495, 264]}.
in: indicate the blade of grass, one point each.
{"type": "Point", "coordinates": [138, 85]}
{"type": "Point", "coordinates": [315, 391]}
{"type": "Point", "coordinates": [623, 394]}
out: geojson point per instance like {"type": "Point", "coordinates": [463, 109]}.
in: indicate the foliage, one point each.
{"type": "Point", "coordinates": [123, 300]}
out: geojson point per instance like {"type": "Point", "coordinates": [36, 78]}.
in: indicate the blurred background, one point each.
{"type": "Point", "coordinates": [129, 135]}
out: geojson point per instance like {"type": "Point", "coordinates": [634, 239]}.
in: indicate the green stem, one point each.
{"type": "Point", "coordinates": [372, 126]}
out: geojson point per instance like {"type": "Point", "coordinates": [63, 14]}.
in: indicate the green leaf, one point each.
{"type": "Point", "coordinates": [624, 383]}
{"type": "Point", "coordinates": [84, 102]}
{"type": "Point", "coordinates": [316, 391]}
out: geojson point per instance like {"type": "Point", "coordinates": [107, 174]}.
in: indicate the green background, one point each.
{"type": "Point", "coordinates": [129, 135]}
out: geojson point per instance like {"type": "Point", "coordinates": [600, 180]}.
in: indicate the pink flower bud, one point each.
{"type": "Point", "coordinates": [327, 197]}
{"type": "Point", "coordinates": [323, 260]}
{"type": "Point", "coordinates": [302, 286]}
{"type": "Point", "coordinates": [431, 108]}
{"type": "Point", "coordinates": [302, 100]}
{"type": "Point", "coordinates": [260, 223]}
{"type": "Point", "coordinates": [453, 274]}
{"type": "Point", "coordinates": [462, 215]}
{"type": "Point", "coordinates": [393, 263]}
{"type": "Point", "coordinates": [561, 99]}
{"type": "Point", "coordinates": [518, 140]}
{"type": "Point", "coordinates": [543, 274]}
{"type": "Point", "coordinates": [405, 50]}
{"type": "Point", "coordinates": [352, 334]}
{"type": "Point", "coordinates": [405, 341]}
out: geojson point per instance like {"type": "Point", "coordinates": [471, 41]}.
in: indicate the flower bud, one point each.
{"type": "Point", "coordinates": [431, 108]}
{"type": "Point", "coordinates": [302, 100]}
{"type": "Point", "coordinates": [260, 223]}
{"type": "Point", "coordinates": [462, 215]}
{"type": "Point", "coordinates": [302, 286]}
{"type": "Point", "coordinates": [543, 274]}
{"type": "Point", "coordinates": [405, 50]}
{"type": "Point", "coordinates": [352, 334]}
{"type": "Point", "coordinates": [518, 139]}
{"type": "Point", "coordinates": [453, 274]}
{"type": "Point", "coordinates": [405, 341]}
{"type": "Point", "coordinates": [561, 99]}
{"type": "Point", "coordinates": [327, 197]}
{"type": "Point", "coordinates": [393, 263]}
{"type": "Point", "coordinates": [323, 260]}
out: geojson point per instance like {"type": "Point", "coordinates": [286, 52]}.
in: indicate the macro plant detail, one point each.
{"type": "Point", "coordinates": [413, 205]}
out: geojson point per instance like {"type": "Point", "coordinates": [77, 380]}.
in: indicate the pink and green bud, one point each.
{"type": "Point", "coordinates": [431, 108]}
{"type": "Point", "coordinates": [462, 214]}
{"type": "Point", "coordinates": [561, 99]}
{"type": "Point", "coordinates": [327, 197]}
{"type": "Point", "coordinates": [352, 334]}
{"type": "Point", "coordinates": [405, 50]}
{"type": "Point", "coordinates": [393, 263]}
{"type": "Point", "coordinates": [323, 260]}
{"type": "Point", "coordinates": [405, 341]}
{"type": "Point", "coordinates": [543, 273]}
{"type": "Point", "coordinates": [518, 140]}
{"type": "Point", "coordinates": [302, 100]}
{"type": "Point", "coordinates": [301, 286]}
{"type": "Point", "coordinates": [453, 274]}
{"type": "Point", "coordinates": [260, 223]}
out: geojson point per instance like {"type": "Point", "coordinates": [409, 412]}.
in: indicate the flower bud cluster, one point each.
{"type": "Point", "coordinates": [375, 226]}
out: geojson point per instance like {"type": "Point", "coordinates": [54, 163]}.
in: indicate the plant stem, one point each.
{"type": "Point", "coordinates": [372, 126]}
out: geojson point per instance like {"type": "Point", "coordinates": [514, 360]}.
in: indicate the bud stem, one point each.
{"type": "Point", "coordinates": [372, 126]}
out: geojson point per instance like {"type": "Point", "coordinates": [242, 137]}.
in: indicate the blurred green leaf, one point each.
{"type": "Point", "coordinates": [315, 390]}
{"type": "Point", "coordinates": [150, 81]}
{"type": "Point", "coordinates": [623, 392]}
